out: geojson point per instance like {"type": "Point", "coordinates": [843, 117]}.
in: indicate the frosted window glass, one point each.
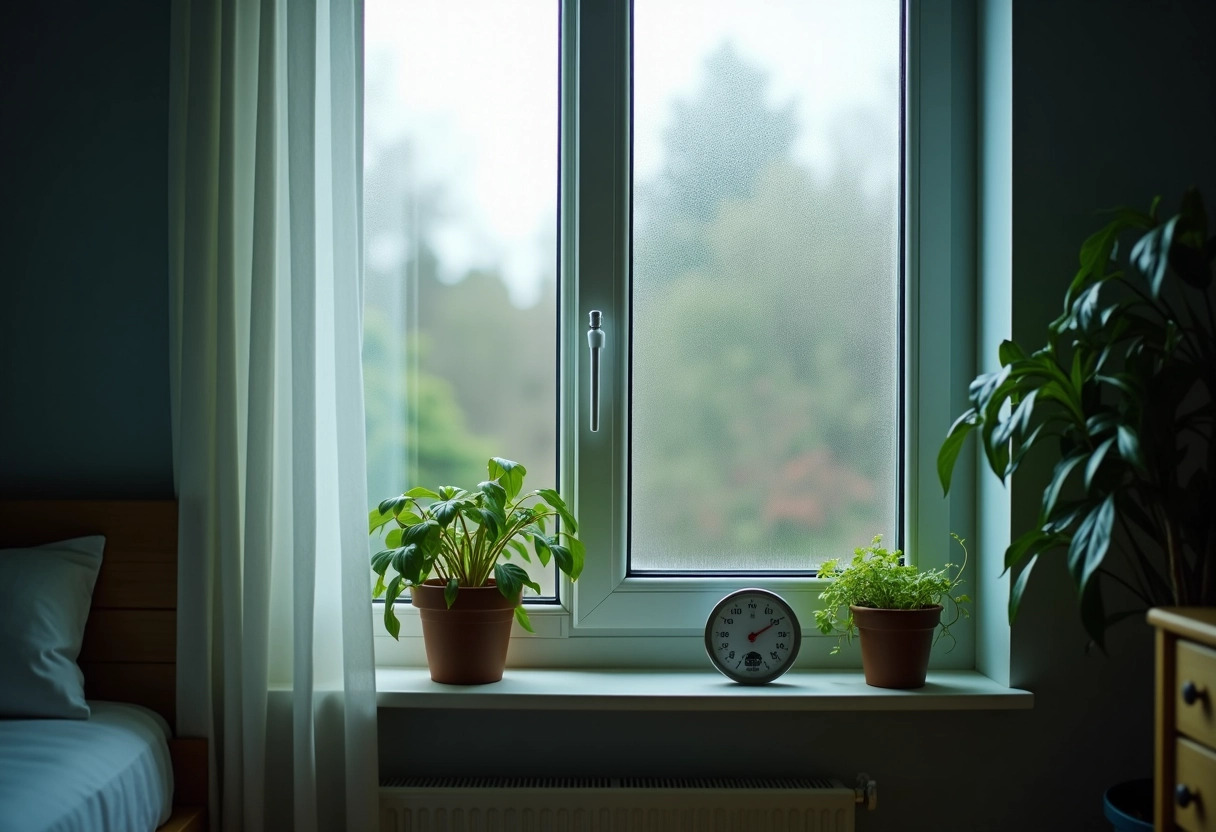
{"type": "Point", "coordinates": [765, 353]}
{"type": "Point", "coordinates": [460, 212]}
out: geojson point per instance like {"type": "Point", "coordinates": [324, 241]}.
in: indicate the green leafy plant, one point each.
{"type": "Point", "coordinates": [880, 579]}
{"type": "Point", "coordinates": [1122, 392]}
{"type": "Point", "coordinates": [468, 538]}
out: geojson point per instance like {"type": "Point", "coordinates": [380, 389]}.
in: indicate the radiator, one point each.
{"type": "Point", "coordinates": [629, 804]}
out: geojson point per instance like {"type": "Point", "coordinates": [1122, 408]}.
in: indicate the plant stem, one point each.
{"type": "Point", "coordinates": [1175, 561]}
{"type": "Point", "coordinates": [1140, 562]}
{"type": "Point", "coordinates": [1130, 588]}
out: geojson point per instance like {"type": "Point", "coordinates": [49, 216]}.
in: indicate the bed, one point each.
{"type": "Point", "coordinates": [113, 769]}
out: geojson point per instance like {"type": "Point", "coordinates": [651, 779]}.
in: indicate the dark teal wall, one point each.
{"type": "Point", "coordinates": [1113, 101]}
{"type": "Point", "coordinates": [84, 385]}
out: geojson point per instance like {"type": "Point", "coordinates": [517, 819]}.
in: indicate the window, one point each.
{"type": "Point", "coordinates": [750, 196]}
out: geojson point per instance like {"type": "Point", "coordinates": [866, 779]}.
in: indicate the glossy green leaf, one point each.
{"type": "Point", "coordinates": [1151, 254]}
{"type": "Point", "coordinates": [391, 624]}
{"type": "Point", "coordinates": [381, 561]}
{"type": "Point", "coordinates": [419, 492]}
{"type": "Point", "coordinates": [1027, 543]}
{"type": "Point", "coordinates": [380, 586]}
{"type": "Point", "coordinates": [418, 564]}
{"type": "Point", "coordinates": [578, 556]}
{"type": "Point", "coordinates": [495, 493]}
{"type": "Point", "coordinates": [376, 519]}
{"type": "Point", "coordinates": [986, 385]}
{"type": "Point", "coordinates": [424, 535]}
{"type": "Point", "coordinates": [446, 511]}
{"type": "Point", "coordinates": [393, 539]}
{"type": "Point", "coordinates": [1095, 461]}
{"type": "Point", "coordinates": [563, 557]}
{"type": "Point", "coordinates": [1129, 446]}
{"type": "Point", "coordinates": [1010, 352]}
{"type": "Point", "coordinates": [451, 591]}
{"type": "Point", "coordinates": [1090, 544]}
{"type": "Point", "coordinates": [559, 505]}
{"type": "Point", "coordinates": [511, 579]}
{"type": "Point", "coordinates": [1019, 588]}
{"type": "Point", "coordinates": [948, 455]}
{"type": "Point", "coordinates": [1024, 447]}
{"type": "Point", "coordinates": [1059, 476]}
{"type": "Point", "coordinates": [1076, 374]}
{"type": "Point", "coordinates": [399, 555]}
{"type": "Point", "coordinates": [1066, 515]}
{"type": "Point", "coordinates": [521, 616]}
{"type": "Point", "coordinates": [1121, 382]}
{"type": "Point", "coordinates": [489, 521]}
{"type": "Point", "coordinates": [509, 474]}
{"type": "Point", "coordinates": [519, 548]}
{"type": "Point", "coordinates": [540, 542]}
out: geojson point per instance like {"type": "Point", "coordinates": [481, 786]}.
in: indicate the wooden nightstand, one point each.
{"type": "Point", "coordinates": [1185, 768]}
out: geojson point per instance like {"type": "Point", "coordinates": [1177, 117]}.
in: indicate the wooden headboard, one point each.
{"type": "Point", "coordinates": [130, 643]}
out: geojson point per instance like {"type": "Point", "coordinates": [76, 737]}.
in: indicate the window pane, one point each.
{"type": "Point", "coordinates": [766, 355]}
{"type": "Point", "coordinates": [460, 208]}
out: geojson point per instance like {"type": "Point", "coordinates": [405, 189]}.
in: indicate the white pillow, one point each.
{"type": "Point", "coordinates": [45, 594]}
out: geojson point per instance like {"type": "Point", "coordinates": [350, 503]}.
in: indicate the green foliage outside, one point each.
{"type": "Point", "coordinates": [764, 422]}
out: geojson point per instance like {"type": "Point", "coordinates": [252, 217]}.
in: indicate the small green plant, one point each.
{"type": "Point", "coordinates": [461, 536]}
{"type": "Point", "coordinates": [879, 579]}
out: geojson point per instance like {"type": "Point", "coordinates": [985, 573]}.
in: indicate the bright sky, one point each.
{"type": "Point", "coordinates": [474, 83]}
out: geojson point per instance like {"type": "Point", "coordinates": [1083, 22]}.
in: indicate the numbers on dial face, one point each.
{"type": "Point", "coordinates": [752, 636]}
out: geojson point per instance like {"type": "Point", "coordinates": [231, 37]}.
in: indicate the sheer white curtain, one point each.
{"type": "Point", "coordinates": [274, 639]}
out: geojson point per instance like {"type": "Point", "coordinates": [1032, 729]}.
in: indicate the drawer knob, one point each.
{"type": "Point", "coordinates": [1183, 796]}
{"type": "Point", "coordinates": [1190, 692]}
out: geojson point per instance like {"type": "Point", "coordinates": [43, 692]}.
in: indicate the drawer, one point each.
{"type": "Point", "coordinates": [1197, 771]}
{"type": "Point", "coordinates": [1196, 666]}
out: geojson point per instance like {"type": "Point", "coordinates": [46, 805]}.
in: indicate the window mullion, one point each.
{"type": "Point", "coordinates": [601, 260]}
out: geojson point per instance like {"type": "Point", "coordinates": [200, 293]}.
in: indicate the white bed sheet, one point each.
{"type": "Point", "coordinates": [108, 773]}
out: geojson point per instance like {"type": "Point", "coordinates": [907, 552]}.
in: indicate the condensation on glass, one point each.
{"type": "Point", "coordinates": [460, 212]}
{"type": "Point", "coordinates": [765, 353]}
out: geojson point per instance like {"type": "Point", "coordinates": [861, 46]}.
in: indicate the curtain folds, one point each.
{"type": "Point", "coordinates": [274, 659]}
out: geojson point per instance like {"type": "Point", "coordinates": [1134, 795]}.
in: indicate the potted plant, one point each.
{"type": "Point", "coordinates": [1122, 395]}
{"type": "Point", "coordinates": [453, 550]}
{"type": "Point", "coordinates": [893, 607]}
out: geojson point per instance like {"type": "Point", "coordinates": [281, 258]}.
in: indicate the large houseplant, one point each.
{"type": "Point", "coordinates": [454, 550]}
{"type": "Point", "coordinates": [894, 607]}
{"type": "Point", "coordinates": [1122, 393]}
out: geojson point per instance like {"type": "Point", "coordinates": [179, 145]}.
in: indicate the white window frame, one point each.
{"type": "Point", "coordinates": [610, 619]}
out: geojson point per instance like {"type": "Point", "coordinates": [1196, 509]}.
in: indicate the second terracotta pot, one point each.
{"type": "Point", "coordinates": [895, 644]}
{"type": "Point", "coordinates": [467, 643]}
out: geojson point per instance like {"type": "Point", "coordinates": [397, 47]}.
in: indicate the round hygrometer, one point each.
{"type": "Point", "coordinates": [752, 636]}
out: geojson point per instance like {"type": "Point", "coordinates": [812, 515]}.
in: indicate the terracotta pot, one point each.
{"type": "Point", "coordinates": [467, 644]}
{"type": "Point", "coordinates": [895, 644]}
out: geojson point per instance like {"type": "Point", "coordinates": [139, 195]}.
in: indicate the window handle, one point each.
{"type": "Point", "coordinates": [595, 340]}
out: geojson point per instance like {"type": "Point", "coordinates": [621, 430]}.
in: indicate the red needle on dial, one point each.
{"type": "Point", "coordinates": [752, 636]}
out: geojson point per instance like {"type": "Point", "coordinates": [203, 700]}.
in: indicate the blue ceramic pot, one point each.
{"type": "Point", "coordinates": [1129, 806]}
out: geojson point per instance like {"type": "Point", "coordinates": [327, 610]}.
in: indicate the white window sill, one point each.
{"type": "Point", "coordinates": [693, 690]}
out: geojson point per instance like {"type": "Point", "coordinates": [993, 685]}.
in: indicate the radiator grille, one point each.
{"type": "Point", "coordinates": [609, 783]}
{"type": "Point", "coordinates": [606, 804]}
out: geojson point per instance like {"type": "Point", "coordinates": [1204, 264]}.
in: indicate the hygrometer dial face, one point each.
{"type": "Point", "coordinates": [752, 636]}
